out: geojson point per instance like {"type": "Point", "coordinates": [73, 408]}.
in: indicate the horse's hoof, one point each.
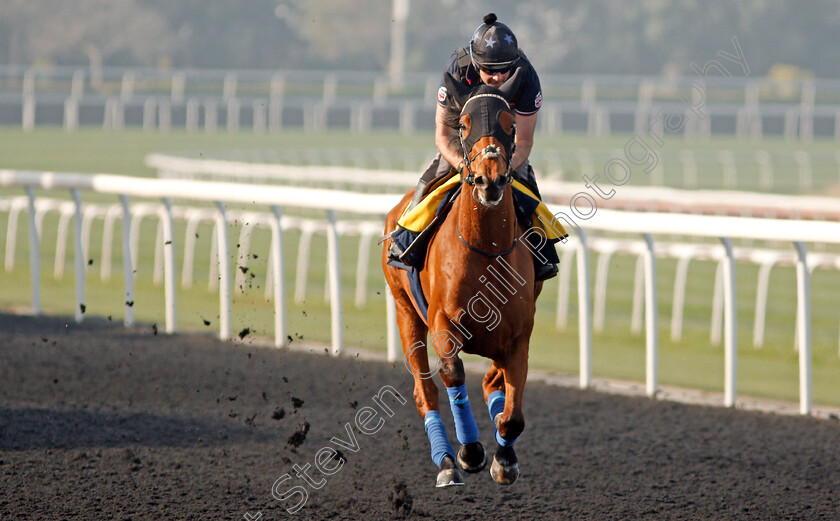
{"type": "Point", "coordinates": [471, 457]}
{"type": "Point", "coordinates": [449, 478]}
{"type": "Point", "coordinates": [505, 467]}
{"type": "Point", "coordinates": [448, 475]}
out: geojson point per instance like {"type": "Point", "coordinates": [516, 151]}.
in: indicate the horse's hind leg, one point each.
{"type": "Point", "coordinates": [503, 387]}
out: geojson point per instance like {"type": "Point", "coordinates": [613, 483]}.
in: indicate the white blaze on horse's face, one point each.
{"type": "Point", "coordinates": [482, 192]}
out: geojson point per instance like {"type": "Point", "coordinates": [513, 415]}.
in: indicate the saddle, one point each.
{"type": "Point", "coordinates": [416, 226]}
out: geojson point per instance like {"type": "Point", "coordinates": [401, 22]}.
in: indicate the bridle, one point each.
{"type": "Point", "coordinates": [492, 151]}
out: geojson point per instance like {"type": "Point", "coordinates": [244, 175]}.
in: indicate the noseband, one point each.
{"type": "Point", "coordinates": [491, 151]}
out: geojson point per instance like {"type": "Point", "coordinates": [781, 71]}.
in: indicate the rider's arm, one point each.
{"type": "Point", "coordinates": [525, 127]}
{"type": "Point", "coordinates": [446, 139]}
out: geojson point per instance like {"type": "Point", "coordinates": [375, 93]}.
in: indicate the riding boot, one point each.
{"type": "Point", "coordinates": [544, 271]}
{"type": "Point", "coordinates": [394, 252]}
{"type": "Point", "coordinates": [418, 194]}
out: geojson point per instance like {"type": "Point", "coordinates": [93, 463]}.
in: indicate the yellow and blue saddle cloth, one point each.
{"type": "Point", "coordinates": [529, 208]}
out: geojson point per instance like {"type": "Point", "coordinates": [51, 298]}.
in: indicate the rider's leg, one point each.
{"type": "Point", "coordinates": [436, 168]}
{"type": "Point", "coordinates": [525, 174]}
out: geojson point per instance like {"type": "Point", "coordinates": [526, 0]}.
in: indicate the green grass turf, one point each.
{"type": "Point", "coordinates": [95, 151]}
{"type": "Point", "coordinates": [617, 352]}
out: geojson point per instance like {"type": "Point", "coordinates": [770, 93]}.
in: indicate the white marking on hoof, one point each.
{"type": "Point", "coordinates": [449, 478]}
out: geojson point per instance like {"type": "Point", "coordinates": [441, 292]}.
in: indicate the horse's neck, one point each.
{"type": "Point", "coordinates": [487, 228]}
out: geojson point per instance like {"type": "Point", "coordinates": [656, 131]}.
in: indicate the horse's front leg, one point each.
{"type": "Point", "coordinates": [413, 335]}
{"type": "Point", "coordinates": [447, 345]}
{"type": "Point", "coordinates": [471, 456]}
{"type": "Point", "coordinates": [504, 384]}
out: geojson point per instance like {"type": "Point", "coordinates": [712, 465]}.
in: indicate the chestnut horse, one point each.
{"type": "Point", "coordinates": [478, 280]}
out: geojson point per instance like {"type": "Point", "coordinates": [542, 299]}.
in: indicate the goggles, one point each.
{"type": "Point", "coordinates": [494, 68]}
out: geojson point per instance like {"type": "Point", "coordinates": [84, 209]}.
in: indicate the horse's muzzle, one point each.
{"type": "Point", "coordinates": [489, 192]}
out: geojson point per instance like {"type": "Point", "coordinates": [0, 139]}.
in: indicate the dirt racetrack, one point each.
{"type": "Point", "coordinates": [102, 422]}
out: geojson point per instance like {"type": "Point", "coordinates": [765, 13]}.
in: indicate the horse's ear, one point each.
{"type": "Point", "coordinates": [512, 84]}
{"type": "Point", "coordinates": [506, 120]}
{"type": "Point", "coordinates": [459, 92]}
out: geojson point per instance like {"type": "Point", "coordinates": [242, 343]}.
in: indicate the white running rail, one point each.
{"type": "Point", "coordinates": [629, 197]}
{"type": "Point", "coordinates": [645, 224]}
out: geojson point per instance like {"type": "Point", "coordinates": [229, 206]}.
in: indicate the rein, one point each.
{"type": "Point", "coordinates": [482, 252]}
{"type": "Point", "coordinates": [470, 180]}
{"type": "Point", "coordinates": [477, 250]}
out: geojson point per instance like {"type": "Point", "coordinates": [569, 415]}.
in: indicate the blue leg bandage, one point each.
{"type": "Point", "coordinates": [496, 404]}
{"type": "Point", "coordinates": [436, 432]}
{"type": "Point", "coordinates": [465, 428]}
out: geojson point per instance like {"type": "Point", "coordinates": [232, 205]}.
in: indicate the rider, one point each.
{"type": "Point", "coordinates": [490, 58]}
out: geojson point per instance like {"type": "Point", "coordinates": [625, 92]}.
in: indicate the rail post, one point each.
{"type": "Point", "coordinates": [169, 264]}
{"type": "Point", "coordinates": [651, 322]}
{"type": "Point", "coordinates": [730, 325]}
{"type": "Point", "coordinates": [803, 310]}
{"type": "Point", "coordinates": [224, 272]}
{"type": "Point", "coordinates": [393, 330]}
{"type": "Point", "coordinates": [584, 312]}
{"type": "Point", "coordinates": [334, 255]}
{"type": "Point", "coordinates": [128, 266]}
{"type": "Point", "coordinates": [34, 254]}
{"type": "Point", "coordinates": [278, 279]}
{"type": "Point", "coordinates": [78, 255]}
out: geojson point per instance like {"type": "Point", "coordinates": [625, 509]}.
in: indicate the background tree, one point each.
{"type": "Point", "coordinates": [559, 36]}
{"type": "Point", "coordinates": [242, 34]}
{"type": "Point", "coordinates": [119, 32]}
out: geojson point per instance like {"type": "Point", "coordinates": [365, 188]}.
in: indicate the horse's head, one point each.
{"type": "Point", "coordinates": [488, 133]}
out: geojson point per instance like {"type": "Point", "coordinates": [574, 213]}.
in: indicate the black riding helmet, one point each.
{"type": "Point", "coordinates": [493, 46]}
